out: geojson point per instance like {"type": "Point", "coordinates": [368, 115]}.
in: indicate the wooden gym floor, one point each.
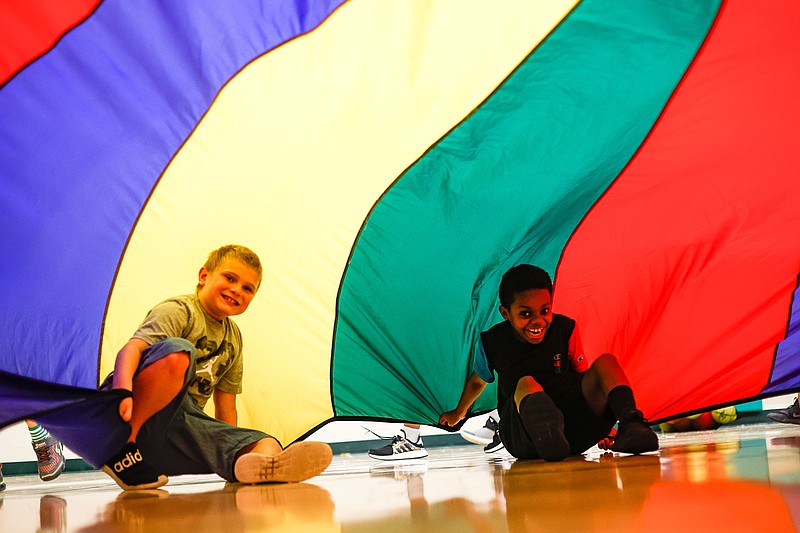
{"type": "Point", "coordinates": [735, 479]}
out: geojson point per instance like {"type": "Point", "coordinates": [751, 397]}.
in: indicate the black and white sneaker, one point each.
{"type": "Point", "coordinates": [131, 472]}
{"type": "Point", "coordinates": [484, 435]}
{"type": "Point", "coordinates": [790, 415]}
{"type": "Point", "coordinates": [496, 445]}
{"type": "Point", "coordinates": [400, 448]}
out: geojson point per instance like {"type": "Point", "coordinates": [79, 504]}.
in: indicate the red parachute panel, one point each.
{"type": "Point", "coordinates": [31, 27]}
{"type": "Point", "coordinates": [685, 269]}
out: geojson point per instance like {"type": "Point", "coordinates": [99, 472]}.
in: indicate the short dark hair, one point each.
{"type": "Point", "coordinates": [523, 278]}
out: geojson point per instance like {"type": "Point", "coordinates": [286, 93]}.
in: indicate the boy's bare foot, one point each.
{"type": "Point", "coordinates": [298, 462]}
{"type": "Point", "coordinates": [131, 472]}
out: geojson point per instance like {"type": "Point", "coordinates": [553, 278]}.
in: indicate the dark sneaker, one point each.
{"type": "Point", "coordinates": [496, 444]}
{"type": "Point", "coordinates": [400, 448]}
{"type": "Point", "coordinates": [131, 472]}
{"type": "Point", "coordinates": [544, 422]}
{"type": "Point", "coordinates": [634, 435]}
{"type": "Point", "coordinates": [2, 481]}
{"type": "Point", "coordinates": [483, 435]}
{"type": "Point", "coordinates": [49, 458]}
{"type": "Point", "coordinates": [297, 462]}
{"type": "Point", "coordinates": [790, 415]}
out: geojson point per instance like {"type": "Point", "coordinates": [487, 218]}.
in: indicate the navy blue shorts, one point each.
{"type": "Point", "coordinates": [181, 438]}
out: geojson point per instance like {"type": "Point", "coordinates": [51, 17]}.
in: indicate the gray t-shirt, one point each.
{"type": "Point", "coordinates": [218, 344]}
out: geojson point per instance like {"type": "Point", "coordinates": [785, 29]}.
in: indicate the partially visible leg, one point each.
{"type": "Point", "coordinates": [412, 433]}
{"type": "Point", "coordinates": [154, 387]}
{"type": "Point", "coordinates": [790, 415]}
{"type": "Point", "coordinates": [606, 385]}
{"type": "Point", "coordinates": [526, 386]}
{"type": "Point", "coordinates": [409, 445]}
{"type": "Point", "coordinates": [49, 452]}
{"type": "Point", "coordinates": [543, 421]}
{"type": "Point", "coordinates": [267, 446]}
{"type": "Point", "coordinates": [492, 425]}
{"type": "Point", "coordinates": [487, 435]}
{"type": "Point", "coordinates": [266, 462]}
{"type": "Point", "coordinates": [604, 376]}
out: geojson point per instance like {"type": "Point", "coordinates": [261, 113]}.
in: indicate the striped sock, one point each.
{"type": "Point", "coordinates": [38, 433]}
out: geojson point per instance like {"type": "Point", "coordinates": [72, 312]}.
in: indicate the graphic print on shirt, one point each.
{"type": "Point", "coordinates": [208, 368]}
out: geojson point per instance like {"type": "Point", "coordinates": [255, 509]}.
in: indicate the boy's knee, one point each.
{"type": "Point", "coordinates": [175, 364]}
{"type": "Point", "coordinates": [528, 381]}
{"type": "Point", "coordinates": [606, 360]}
{"type": "Point", "coordinates": [526, 385]}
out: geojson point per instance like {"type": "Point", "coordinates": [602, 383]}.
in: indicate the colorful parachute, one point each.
{"type": "Point", "coordinates": [389, 161]}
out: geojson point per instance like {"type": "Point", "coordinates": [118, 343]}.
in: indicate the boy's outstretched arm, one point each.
{"type": "Point", "coordinates": [472, 389]}
{"type": "Point", "coordinates": [124, 368]}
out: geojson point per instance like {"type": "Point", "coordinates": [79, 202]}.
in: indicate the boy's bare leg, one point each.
{"type": "Point", "coordinates": [266, 462]}
{"type": "Point", "coordinates": [525, 386]}
{"type": "Point", "coordinates": [267, 446]}
{"type": "Point", "coordinates": [155, 386]}
{"type": "Point", "coordinates": [603, 376]}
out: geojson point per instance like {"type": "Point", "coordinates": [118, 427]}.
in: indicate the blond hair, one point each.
{"type": "Point", "coordinates": [233, 251]}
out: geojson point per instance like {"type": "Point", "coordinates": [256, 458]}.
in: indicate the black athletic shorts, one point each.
{"type": "Point", "coordinates": [582, 428]}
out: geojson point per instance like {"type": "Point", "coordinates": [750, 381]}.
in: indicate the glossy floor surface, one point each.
{"type": "Point", "coordinates": [734, 479]}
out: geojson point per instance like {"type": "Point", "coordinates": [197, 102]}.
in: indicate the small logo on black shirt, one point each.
{"type": "Point", "coordinates": [557, 363]}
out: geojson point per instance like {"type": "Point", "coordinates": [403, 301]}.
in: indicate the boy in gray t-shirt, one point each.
{"type": "Point", "coordinates": [217, 344]}
{"type": "Point", "coordinates": [186, 351]}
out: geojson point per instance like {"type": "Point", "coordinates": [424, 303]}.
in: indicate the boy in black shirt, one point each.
{"type": "Point", "coordinates": [552, 404]}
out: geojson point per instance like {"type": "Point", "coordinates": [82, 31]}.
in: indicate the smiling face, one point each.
{"type": "Point", "coordinates": [530, 315]}
{"type": "Point", "coordinates": [228, 290]}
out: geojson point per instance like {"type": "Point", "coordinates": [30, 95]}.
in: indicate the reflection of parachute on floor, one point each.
{"type": "Point", "coordinates": [701, 421]}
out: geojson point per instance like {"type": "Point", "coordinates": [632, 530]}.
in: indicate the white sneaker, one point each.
{"type": "Point", "coordinates": [483, 435]}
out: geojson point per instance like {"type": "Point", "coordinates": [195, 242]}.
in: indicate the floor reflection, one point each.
{"type": "Point", "coordinates": [729, 485]}
{"type": "Point", "coordinates": [577, 495]}
{"type": "Point", "coordinates": [233, 509]}
{"type": "Point", "coordinates": [744, 480]}
{"type": "Point", "coordinates": [456, 513]}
